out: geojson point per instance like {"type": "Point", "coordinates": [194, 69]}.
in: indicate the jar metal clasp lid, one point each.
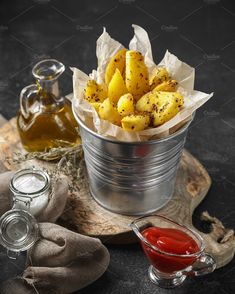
{"type": "Point", "coordinates": [25, 202]}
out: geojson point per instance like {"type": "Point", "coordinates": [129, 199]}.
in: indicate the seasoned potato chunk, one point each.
{"type": "Point", "coordinates": [116, 87]}
{"type": "Point", "coordinates": [148, 102]}
{"type": "Point", "coordinates": [107, 111]}
{"type": "Point", "coordinates": [117, 61]}
{"type": "Point", "coordinates": [135, 122]}
{"type": "Point", "coordinates": [125, 105]}
{"type": "Point", "coordinates": [95, 92]}
{"type": "Point", "coordinates": [168, 96]}
{"type": "Point", "coordinates": [96, 105]}
{"type": "Point", "coordinates": [160, 75]}
{"type": "Point", "coordinates": [168, 86]}
{"type": "Point", "coordinates": [168, 106]}
{"type": "Point", "coordinates": [137, 81]}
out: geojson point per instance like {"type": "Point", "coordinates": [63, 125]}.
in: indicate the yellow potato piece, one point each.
{"type": "Point", "coordinates": [135, 122]}
{"type": "Point", "coordinates": [168, 106]}
{"type": "Point", "coordinates": [116, 87]}
{"type": "Point", "coordinates": [159, 76]}
{"type": "Point", "coordinates": [125, 105]}
{"type": "Point", "coordinates": [117, 61]}
{"type": "Point", "coordinates": [107, 111]}
{"type": "Point", "coordinates": [168, 96]}
{"type": "Point", "coordinates": [95, 92]}
{"type": "Point", "coordinates": [168, 86]}
{"type": "Point", "coordinates": [96, 105]}
{"type": "Point", "coordinates": [137, 81]}
{"type": "Point", "coordinates": [148, 102]}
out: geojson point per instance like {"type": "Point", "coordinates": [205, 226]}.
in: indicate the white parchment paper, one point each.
{"type": "Point", "coordinates": [180, 71]}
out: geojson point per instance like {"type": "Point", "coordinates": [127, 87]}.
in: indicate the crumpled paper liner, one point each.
{"type": "Point", "coordinates": [180, 71]}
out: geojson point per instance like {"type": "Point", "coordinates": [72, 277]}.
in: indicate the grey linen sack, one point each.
{"type": "Point", "coordinates": [61, 261]}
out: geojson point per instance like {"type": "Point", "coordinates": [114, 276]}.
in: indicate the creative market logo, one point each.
{"type": "Point", "coordinates": [126, 1]}
{"type": "Point", "coordinates": [211, 113]}
{"type": "Point", "coordinates": [3, 84]}
{"type": "Point", "coordinates": [211, 57]}
{"type": "Point", "coordinates": [84, 28]}
{"type": "Point", "coordinates": [38, 57]}
{"type": "Point", "coordinates": [211, 1]}
{"type": "Point", "coordinates": [169, 28]}
{"type": "Point", "coordinates": [41, 1]}
{"type": "Point", "coordinates": [3, 28]}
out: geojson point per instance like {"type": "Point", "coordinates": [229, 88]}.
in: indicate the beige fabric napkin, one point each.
{"type": "Point", "coordinates": [61, 262]}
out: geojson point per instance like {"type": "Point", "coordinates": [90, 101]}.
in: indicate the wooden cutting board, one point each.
{"type": "Point", "coordinates": [84, 215]}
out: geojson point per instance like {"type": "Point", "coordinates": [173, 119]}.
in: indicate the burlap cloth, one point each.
{"type": "Point", "coordinates": [61, 261]}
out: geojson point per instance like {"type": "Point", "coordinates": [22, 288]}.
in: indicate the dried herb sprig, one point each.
{"type": "Point", "coordinates": [68, 161]}
{"type": "Point", "coordinates": [48, 155]}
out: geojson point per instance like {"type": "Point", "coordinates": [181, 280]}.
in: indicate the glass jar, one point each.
{"type": "Point", "coordinates": [45, 118]}
{"type": "Point", "coordinates": [18, 228]}
{"type": "Point", "coordinates": [30, 190]}
{"type": "Point", "coordinates": [18, 232]}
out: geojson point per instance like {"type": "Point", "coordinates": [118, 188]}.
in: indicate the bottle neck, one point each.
{"type": "Point", "coordinates": [50, 87]}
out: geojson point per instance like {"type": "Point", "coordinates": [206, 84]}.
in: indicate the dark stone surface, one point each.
{"type": "Point", "coordinates": [199, 32]}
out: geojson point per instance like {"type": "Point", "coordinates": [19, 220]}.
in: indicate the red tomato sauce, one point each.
{"type": "Point", "coordinates": [169, 240]}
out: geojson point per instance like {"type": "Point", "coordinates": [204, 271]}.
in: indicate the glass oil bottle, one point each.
{"type": "Point", "coordinates": [45, 118]}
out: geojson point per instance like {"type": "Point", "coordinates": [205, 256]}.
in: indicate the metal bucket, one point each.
{"type": "Point", "coordinates": [132, 178]}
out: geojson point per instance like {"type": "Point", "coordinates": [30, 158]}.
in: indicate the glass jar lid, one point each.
{"type": "Point", "coordinates": [18, 230]}
{"type": "Point", "coordinates": [30, 183]}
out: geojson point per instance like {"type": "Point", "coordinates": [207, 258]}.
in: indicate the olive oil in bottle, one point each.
{"type": "Point", "coordinates": [45, 119]}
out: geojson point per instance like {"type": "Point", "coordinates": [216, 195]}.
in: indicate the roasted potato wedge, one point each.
{"type": "Point", "coordinates": [169, 104]}
{"type": "Point", "coordinates": [95, 92]}
{"type": "Point", "coordinates": [135, 122]}
{"type": "Point", "coordinates": [159, 76]}
{"type": "Point", "coordinates": [107, 111]}
{"type": "Point", "coordinates": [169, 96]}
{"type": "Point", "coordinates": [168, 86]}
{"type": "Point", "coordinates": [148, 102]}
{"type": "Point", "coordinates": [117, 61]}
{"type": "Point", "coordinates": [116, 87]}
{"type": "Point", "coordinates": [125, 105]}
{"type": "Point", "coordinates": [137, 81]}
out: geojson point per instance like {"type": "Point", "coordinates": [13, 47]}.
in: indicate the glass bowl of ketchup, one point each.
{"type": "Point", "coordinates": [173, 250]}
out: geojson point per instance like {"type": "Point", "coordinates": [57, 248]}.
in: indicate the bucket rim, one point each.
{"type": "Point", "coordinates": [150, 142]}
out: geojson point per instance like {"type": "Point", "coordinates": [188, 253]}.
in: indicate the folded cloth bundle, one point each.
{"type": "Point", "coordinates": [61, 261]}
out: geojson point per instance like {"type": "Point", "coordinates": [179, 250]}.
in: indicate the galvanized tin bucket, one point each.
{"type": "Point", "coordinates": [132, 178]}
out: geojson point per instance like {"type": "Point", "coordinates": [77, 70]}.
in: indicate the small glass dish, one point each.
{"type": "Point", "coordinates": [167, 269]}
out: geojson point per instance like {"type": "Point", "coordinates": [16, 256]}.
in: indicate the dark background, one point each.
{"type": "Point", "coordinates": [202, 33]}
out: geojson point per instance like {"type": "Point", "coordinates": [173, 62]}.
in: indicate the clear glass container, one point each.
{"type": "Point", "coordinates": [18, 232]}
{"type": "Point", "coordinates": [45, 118]}
{"type": "Point", "coordinates": [30, 190]}
{"type": "Point", "coordinates": [167, 269]}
